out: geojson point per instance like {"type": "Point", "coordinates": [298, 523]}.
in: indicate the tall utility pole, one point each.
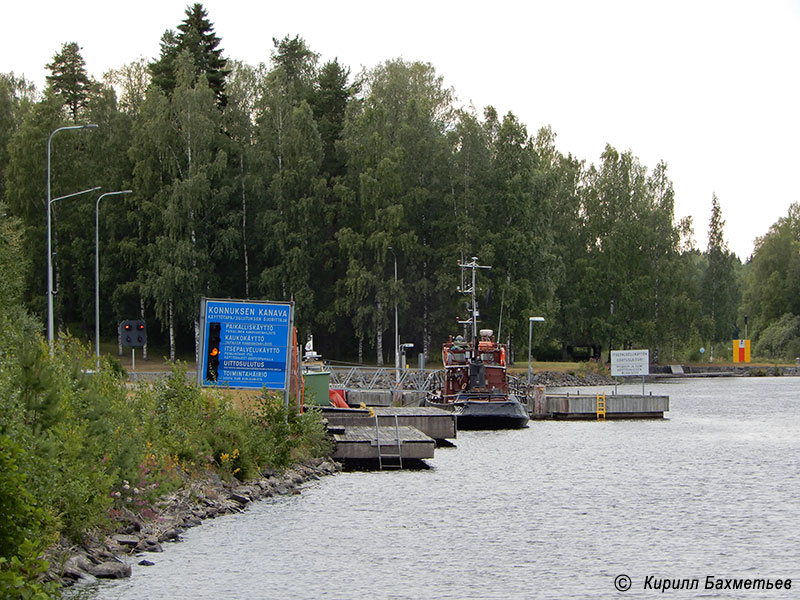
{"type": "Point", "coordinates": [50, 328]}
{"type": "Point", "coordinates": [530, 343]}
{"type": "Point", "coordinates": [396, 330]}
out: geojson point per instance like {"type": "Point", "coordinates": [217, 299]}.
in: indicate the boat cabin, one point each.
{"type": "Point", "coordinates": [475, 371]}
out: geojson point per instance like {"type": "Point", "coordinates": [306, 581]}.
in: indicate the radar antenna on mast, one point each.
{"type": "Point", "coordinates": [468, 288]}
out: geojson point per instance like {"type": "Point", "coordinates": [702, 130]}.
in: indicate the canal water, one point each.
{"type": "Point", "coordinates": [556, 510]}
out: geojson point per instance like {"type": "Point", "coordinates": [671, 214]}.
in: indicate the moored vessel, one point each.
{"type": "Point", "coordinates": [474, 380]}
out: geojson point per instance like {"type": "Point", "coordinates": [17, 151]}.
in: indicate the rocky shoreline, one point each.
{"type": "Point", "coordinates": [561, 379]}
{"type": "Point", "coordinates": [111, 555]}
{"type": "Point", "coordinates": [134, 538]}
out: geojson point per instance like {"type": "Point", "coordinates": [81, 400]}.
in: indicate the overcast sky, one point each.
{"type": "Point", "coordinates": [710, 87]}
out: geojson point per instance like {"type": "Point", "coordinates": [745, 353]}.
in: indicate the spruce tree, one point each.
{"type": "Point", "coordinates": [720, 293]}
{"type": "Point", "coordinates": [162, 71]}
{"type": "Point", "coordinates": [195, 36]}
{"type": "Point", "coordinates": [329, 104]}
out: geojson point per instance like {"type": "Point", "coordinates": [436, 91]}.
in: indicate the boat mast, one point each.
{"type": "Point", "coordinates": [470, 290]}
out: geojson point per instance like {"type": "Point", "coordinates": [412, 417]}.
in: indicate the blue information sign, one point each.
{"type": "Point", "coordinates": [245, 344]}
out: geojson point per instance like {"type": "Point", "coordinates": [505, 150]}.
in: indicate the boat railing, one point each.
{"type": "Point", "coordinates": [463, 396]}
{"type": "Point", "coordinates": [518, 386]}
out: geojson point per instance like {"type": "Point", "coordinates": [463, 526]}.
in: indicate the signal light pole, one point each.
{"type": "Point", "coordinates": [530, 342]}
{"type": "Point", "coordinates": [133, 334]}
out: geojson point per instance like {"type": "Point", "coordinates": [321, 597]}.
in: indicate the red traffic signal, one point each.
{"type": "Point", "coordinates": [212, 360]}
{"type": "Point", "coordinates": [133, 334]}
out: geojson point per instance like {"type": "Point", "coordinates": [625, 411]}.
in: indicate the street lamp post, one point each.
{"type": "Point", "coordinates": [97, 274]}
{"type": "Point", "coordinates": [50, 334]}
{"type": "Point", "coordinates": [530, 342]}
{"type": "Point", "coordinates": [396, 330]}
{"type": "Point", "coordinates": [50, 291]}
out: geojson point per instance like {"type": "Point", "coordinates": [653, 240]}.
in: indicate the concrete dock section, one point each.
{"type": "Point", "coordinates": [587, 406]}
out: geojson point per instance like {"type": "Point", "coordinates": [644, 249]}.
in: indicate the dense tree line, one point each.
{"type": "Point", "coordinates": [771, 289]}
{"type": "Point", "coordinates": [298, 179]}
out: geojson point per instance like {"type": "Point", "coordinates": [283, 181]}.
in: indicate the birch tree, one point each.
{"type": "Point", "coordinates": [188, 203]}
{"type": "Point", "coordinates": [239, 122]}
{"type": "Point", "coordinates": [398, 159]}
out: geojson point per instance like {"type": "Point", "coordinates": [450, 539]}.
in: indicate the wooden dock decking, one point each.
{"type": "Point", "coordinates": [434, 422]}
{"type": "Point", "coordinates": [360, 442]}
{"type": "Point", "coordinates": [388, 432]}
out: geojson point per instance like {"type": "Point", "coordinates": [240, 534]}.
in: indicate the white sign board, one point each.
{"type": "Point", "coordinates": [629, 363]}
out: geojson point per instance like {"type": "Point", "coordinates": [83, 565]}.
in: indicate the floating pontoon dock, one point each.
{"type": "Point", "coordinates": [601, 407]}
{"type": "Point", "coordinates": [362, 442]}
{"type": "Point", "coordinates": [388, 435]}
{"type": "Point", "coordinates": [433, 422]}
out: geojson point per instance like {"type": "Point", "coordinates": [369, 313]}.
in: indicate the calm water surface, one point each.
{"type": "Point", "coordinates": [557, 510]}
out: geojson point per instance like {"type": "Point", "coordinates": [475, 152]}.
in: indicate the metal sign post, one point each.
{"type": "Point", "coordinates": [288, 367]}
{"type": "Point", "coordinates": [630, 363]}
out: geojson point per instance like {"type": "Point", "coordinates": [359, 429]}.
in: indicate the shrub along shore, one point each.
{"type": "Point", "coordinates": [84, 455]}
{"type": "Point", "coordinates": [136, 537]}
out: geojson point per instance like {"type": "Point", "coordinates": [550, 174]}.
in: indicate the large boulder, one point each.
{"type": "Point", "coordinates": [111, 570]}
{"type": "Point", "coordinates": [77, 566]}
{"type": "Point", "coordinates": [149, 544]}
{"type": "Point", "coordinates": [130, 541]}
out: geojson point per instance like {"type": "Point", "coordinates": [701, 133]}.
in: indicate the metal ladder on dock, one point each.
{"type": "Point", "coordinates": [397, 444]}
{"type": "Point", "coordinates": [601, 406]}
